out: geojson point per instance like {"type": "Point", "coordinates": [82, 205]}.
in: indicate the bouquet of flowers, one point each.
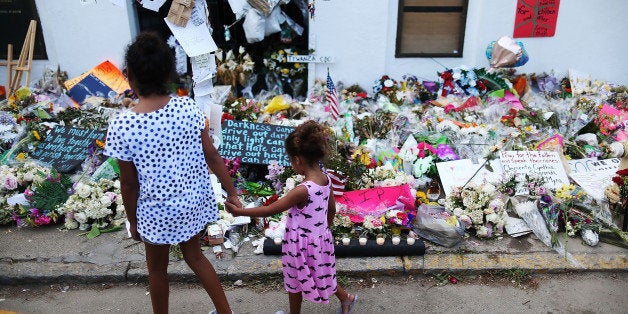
{"type": "Point", "coordinates": [479, 207]}
{"type": "Point", "coordinates": [94, 205]}
{"type": "Point", "coordinates": [387, 87]}
{"type": "Point", "coordinates": [242, 109]}
{"type": "Point", "coordinates": [617, 192]}
{"type": "Point", "coordinates": [385, 175]}
{"type": "Point", "coordinates": [372, 226]}
{"type": "Point", "coordinates": [43, 196]}
{"type": "Point", "coordinates": [283, 73]}
{"type": "Point", "coordinates": [232, 68]}
{"type": "Point", "coordinates": [473, 82]}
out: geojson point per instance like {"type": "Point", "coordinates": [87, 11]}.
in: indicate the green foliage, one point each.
{"type": "Point", "coordinates": [51, 192]}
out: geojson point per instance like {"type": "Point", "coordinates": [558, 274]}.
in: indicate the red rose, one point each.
{"type": "Point", "coordinates": [623, 172]}
{"type": "Point", "coordinates": [618, 181]}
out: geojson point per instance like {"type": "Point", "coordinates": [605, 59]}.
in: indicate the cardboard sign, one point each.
{"type": "Point", "coordinates": [458, 172]}
{"type": "Point", "coordinates": [255, 143]}
{"type": "Point", "coordinates": [376, 201]}
{"type": "Point", "coordinates": [66, 147]}
{"type": "Point", "coordinates": [536, 18]}
{"type": "Point", "coordinates": [537, 164]}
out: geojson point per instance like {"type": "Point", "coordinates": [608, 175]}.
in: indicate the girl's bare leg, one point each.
{"type": "Point", "coordinates": [295, 300]}
{"type": "Point", "coordinates": [205, 272]}
{"type": "Point", "coordinates": [345, 298]}
{"type": "Point", "coordinates": [157, 257]}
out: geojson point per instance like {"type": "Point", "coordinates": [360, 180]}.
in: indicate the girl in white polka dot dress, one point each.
{"type": "Point", "coordinates": [163, 150]}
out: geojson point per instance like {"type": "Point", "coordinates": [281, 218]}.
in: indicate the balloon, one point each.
{"type": "Point", "coordinates": [506, 53]}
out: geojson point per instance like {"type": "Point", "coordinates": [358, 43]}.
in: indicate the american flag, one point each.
{"type": "Point", "coordinates": [331, 97]}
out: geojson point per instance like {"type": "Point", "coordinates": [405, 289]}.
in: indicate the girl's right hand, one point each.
{"type": "Point", "coordinates": [134, 234]}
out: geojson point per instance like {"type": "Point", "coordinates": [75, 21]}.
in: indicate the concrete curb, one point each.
{"type": "Point", "coordinates": [47, 256]}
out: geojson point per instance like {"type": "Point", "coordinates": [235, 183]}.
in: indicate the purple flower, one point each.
{"type": "Point", "coordinates": [444, 152]}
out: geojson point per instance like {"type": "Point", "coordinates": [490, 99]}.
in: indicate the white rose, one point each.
{"type": "Point", "coordinates": [71, 224]}
{"type": "Point", "coordinates": [388, 83]}
{"type": "Point", "coordinates": [10, 182]}
{"type": "Point", "coordinates": [80, 217]}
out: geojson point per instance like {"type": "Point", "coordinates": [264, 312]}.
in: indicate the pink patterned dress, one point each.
{"type": "Point", "coordinates": [309, 261]}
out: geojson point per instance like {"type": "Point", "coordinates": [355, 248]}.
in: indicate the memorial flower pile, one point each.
{"type": "Point", "coordinates": [234, 67]}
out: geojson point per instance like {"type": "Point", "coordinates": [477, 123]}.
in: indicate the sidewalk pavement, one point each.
{"type": "Point", "coordinates": [47, 255]}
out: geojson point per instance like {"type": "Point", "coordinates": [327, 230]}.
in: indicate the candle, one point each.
{"type": "Point", "coordinates": [346, 241]}
{"type": "Point", "coordinates": [278, 240]}
{"type": "Point", "coordinates": [396, 240]}
{"type": "Point", "coordinates": [380, 240]}
{"type": "Point", "coordinates": [410, 241]}
{"type": "Point", "coordinates": [362, 241]}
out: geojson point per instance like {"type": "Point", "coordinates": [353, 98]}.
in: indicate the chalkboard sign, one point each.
{"type": "Point", "coordinates": [16, 15]}
{"type": "Point", "coordinates": [66, 147]}
{"type": "Point", "coordinates": [255, 143]}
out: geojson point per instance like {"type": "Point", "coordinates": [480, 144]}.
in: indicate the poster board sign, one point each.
{"type": "Point", "coordinates": [90, 86]}
{"type": "Point", "coordinates": [537, 164]}
{"type": "Point", "coordinates": [594, 182]}
{"type": "Point", "coordinates": [536, 18]}
{"type": "Point", "coordinates": [593, 164]}
{"type": "Point", "coordinates": [66, 147]}
{"type": "Point", "coordinates": [107, 73]}
{"type": "Point", "coordinates": [458, 172]}
{"type": "Point", "coordinates": [255, 143]}
{"type": "Point", "coordinates": [376, 201]}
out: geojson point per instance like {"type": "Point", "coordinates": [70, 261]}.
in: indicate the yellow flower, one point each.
{"type": "Point", "coordinates": [452, 221]}
{"type": "Point", "coordinates": [280, 52]}
{"type": "Point", "coordinates": [36, 135]}
{"type": "Point", "coordinates": [21, 156]}
{"type": "Point", "coordinates": [296, 65]}
{"type": "Point", "coordinates": [100, 143]}
{"type": "Point", "coordinates": [383, 219]}
{"type": "Point", "coordinates": [285, 71]}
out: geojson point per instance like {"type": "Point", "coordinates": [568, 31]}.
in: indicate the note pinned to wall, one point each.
{"type": "Point", "coordinates": [194, 37]}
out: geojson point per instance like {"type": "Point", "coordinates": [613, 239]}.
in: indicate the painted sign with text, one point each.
{"type": "Point", "coordinates": [255, 143]}
{"type": "Point", "coordinates": [536, 18]}
{"type": "Point", "coordinates": [66, 147]}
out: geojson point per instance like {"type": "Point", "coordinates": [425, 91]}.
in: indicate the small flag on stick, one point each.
{"type": "Point", "coordinates": [331, 97]}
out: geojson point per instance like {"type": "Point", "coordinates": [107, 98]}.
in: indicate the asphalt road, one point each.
{"type": "Point", "coordinates": [508, 292]}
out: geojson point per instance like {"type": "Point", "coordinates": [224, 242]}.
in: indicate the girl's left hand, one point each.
{"type": "Point", "coordinates": [233, 209]}
{"type": "Point", "coordinates": [233, 199]}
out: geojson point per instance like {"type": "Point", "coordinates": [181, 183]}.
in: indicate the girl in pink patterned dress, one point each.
{"type": "Point", "coordinates": [309, 261]}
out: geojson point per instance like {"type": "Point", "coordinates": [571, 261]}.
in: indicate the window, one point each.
{"type": "Point", "coordinates": [15, 16]}
{"type": "Point", "coordinates": [431, 28]}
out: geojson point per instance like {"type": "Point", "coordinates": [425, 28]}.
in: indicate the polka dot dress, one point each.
{"type": "Point", "coordinates": [176, 199]}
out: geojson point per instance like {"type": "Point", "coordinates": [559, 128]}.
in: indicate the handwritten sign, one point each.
{"type": "Point", "coordinates": [458, 172]}
{"type": "Point", "coordinates": [537, 164]}
{"type": "Point", "coordinates": [310, 59]}
{"type": "Point", "coordinates": [66, 147]}
{"type": "Point", "coordinates": [255, 143]}
{"type": "Point", "coordinates": [593, 164]}
{"type": "Point", "coordinates": [536, 18]}
{"type": "Point", "coordinates": [376, 201]}
{"type": "Point", "coordinates": [594, 182]}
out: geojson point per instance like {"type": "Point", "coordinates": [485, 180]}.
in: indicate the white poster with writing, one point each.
{"type": "Point", "coordinates": [536, 164]}
{"type": "Point", "coordinates": [458, 172]}
{"type": "Point", "coordinates": [593, 164]}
